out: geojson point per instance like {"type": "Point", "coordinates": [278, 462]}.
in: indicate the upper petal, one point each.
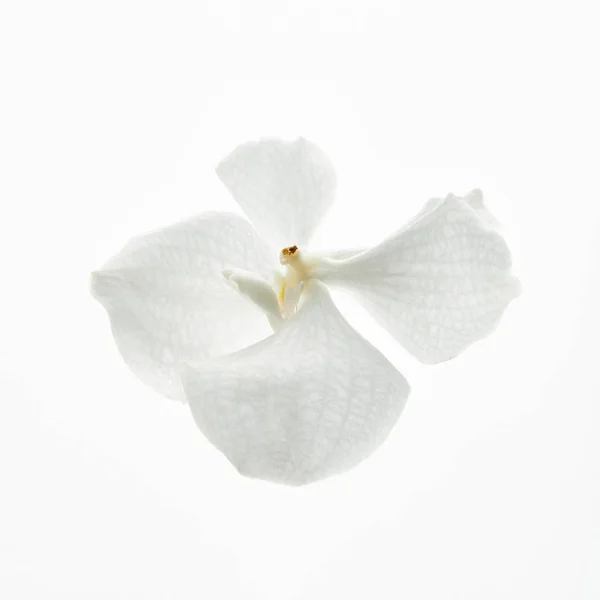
{"type": "Point", "coordinates": [284, 187]}
{"type": "Point", "coordinates": [310, 401]}
{"type": "Point", "coordinates": [439, 284]}
{"type": "Point", "coordinates": [168, 301]}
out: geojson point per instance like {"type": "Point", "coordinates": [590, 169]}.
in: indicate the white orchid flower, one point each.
{"type": "Point", "coordinates": [242, 326]}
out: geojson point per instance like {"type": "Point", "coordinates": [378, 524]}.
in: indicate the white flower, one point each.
{"type": "Point", "coordinates": [204, 312]}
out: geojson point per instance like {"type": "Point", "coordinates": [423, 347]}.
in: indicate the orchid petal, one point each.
{"type": "Point", "coordinates": [168, 300]}
{"type": "Point", "coordinates": [285, 188]}
{"type": "Point", "coordinates": [312, 400]}
{"type": "Point", "coordinates": [439, 284]}
{"type": "Point", "coordinates": [341, 254]}
{"type": "Point", "coordinates": [474, 199]}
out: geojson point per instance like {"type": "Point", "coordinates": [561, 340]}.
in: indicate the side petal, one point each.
{"type": "Point", "coordinates": [475, 200]}
{"type": "Point", "coordinates": [168, 301]}
{"type": "Point", "coordinates": [439, 284]}
{"type": "Point", "coordinates": [285, 188]}
{"type": "Point", "coordinates": [310, 401]}
{"type": "Point", "coordinates": [342, 254]}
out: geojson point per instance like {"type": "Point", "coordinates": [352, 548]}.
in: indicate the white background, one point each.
{"type": "Point", "coordinates": [112, 117]}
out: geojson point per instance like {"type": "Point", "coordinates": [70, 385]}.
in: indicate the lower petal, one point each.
{"type": "Point", "coordinates": [310, 401]}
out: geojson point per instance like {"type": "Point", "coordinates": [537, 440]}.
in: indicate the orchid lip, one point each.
{"type": "Point", "coordinates": [279, 298]}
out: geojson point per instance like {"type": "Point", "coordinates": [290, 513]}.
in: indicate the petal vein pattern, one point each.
{"type": "Point", "coordinates": [285, 188]}
{"type": "Point", "coordinates": [168, 301]}
{"type": "Point", "coordinates": [310, 401]}
{"type": "Point", "coordinates": [439, 284]}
